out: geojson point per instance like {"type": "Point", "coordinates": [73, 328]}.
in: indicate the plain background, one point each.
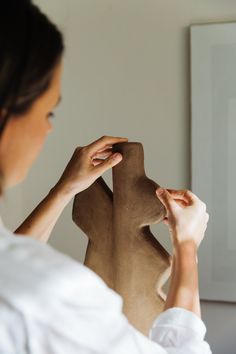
{"type": "Point", "coordinates": [213, 58]}
{"type": "Point", "coordinates": [126, 74]}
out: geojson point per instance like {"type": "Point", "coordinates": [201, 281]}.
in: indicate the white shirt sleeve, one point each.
{"type": "Point", "coordinates": [52, 304]}
{"type": "Point", "coordinates": [180, 331]}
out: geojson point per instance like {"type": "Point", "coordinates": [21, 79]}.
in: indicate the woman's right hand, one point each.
{"type": "Point", "coordinates": [186, 215]}
{"type": "Point", "coordinates": [87, 164]}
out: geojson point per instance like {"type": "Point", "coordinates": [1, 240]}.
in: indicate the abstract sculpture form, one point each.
{"type": "Point", "coordinates": [121, 248]}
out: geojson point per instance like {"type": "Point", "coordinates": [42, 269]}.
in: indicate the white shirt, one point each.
{"type": "Point", "coordinates": [50, 304]}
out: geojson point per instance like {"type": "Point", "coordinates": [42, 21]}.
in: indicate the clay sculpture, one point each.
{"type": "Point", "coordinates": [121, 248]}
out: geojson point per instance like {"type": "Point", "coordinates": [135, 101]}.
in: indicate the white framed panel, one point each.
{"type": "Point", "coordinates": [213, 137]}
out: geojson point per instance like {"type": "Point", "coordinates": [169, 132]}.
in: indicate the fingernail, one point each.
{"type": "Point", "coordinates": [116, 156]}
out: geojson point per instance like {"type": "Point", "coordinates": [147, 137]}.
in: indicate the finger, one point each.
{"type": "Point", "coordinates": [177, 194]}
{"type": "Point", "coordinates": [107, 147]}
{"type": "Point", "coordinates": [112, 161]}
{"type": "Point", "coordinates": [104, 141]}
{"type": "Point", "coordinates": [181, 202]}
{"type": "Point", "coordinates": [184, 194]}
{"type": "Point", "coordinates": [166, 199]}
{"type": "Point", "coordinates": [102, 155]}
{"type": "Point", "coordinates": [97, 162]}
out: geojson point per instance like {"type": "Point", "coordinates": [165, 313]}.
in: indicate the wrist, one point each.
{"type": "Point", "coordinates": [60, 192]}
{"type": "Point", "coordinates": [186, 252]}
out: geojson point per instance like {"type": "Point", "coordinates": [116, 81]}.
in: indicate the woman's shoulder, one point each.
{"type": "Point", "coordinates": [34, 272]}
{"type": "Point", "coordinates": [57, 299]}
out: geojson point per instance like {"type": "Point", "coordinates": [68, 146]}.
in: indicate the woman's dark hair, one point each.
{"type": "Point", "coordinates": [30, 48]}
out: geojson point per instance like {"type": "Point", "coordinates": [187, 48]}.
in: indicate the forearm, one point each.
{"type": "Point", "coordinates": [40, 223]}
{"type": "Point", "coordinates": [184, 289]}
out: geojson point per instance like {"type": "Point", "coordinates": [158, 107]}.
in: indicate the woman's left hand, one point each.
{"type": "Point", "coordinates": [87, 164]}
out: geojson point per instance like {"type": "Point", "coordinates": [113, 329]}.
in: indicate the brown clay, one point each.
{"type": "Point", "coordinates": [121, 248]}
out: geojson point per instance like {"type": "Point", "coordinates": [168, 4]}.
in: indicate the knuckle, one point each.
{"type": "Point", "coordinates": [193, 195]}
{"type": "Point", "coordinates": [187, 193]}
{"type": "Point", "coordinates": [81, 150]}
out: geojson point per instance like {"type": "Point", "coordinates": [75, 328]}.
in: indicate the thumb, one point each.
{"type": "Point", "coordinates": [112, 161]}
{"type": "Point", "coordinates": [166, 199]}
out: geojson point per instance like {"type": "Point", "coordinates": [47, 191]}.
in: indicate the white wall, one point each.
{"type": "Point", "coordinates": [127, 74]}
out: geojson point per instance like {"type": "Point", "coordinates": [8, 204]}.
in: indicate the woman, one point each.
{"type": "Point", "coordinates": [48, 302]}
